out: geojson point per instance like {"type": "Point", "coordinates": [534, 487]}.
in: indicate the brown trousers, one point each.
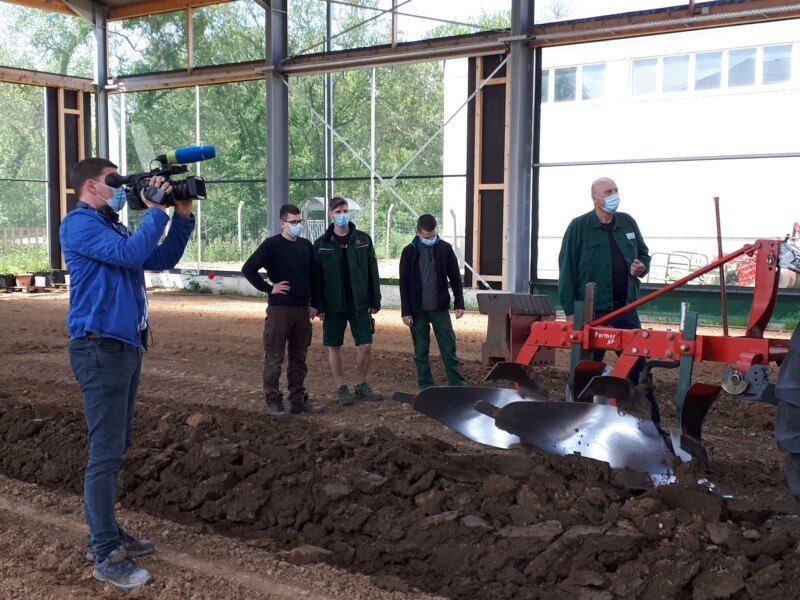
{"type": "Point", "coordinates": [286, 325]}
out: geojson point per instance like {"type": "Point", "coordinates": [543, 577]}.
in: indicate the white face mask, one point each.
{"type": "Point", "coordinates": [612, 203]}
{"type": "Point", "coordinates": [119, 199]}
{"type": "Point", "coordinates": [105, 186]}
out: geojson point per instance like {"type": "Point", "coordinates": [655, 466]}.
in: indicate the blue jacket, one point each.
{"type": "Point", "coordinates": [106, 264]}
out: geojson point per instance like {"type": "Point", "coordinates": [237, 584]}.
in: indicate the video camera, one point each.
{"type": "Point", "coordinates": [171, 164]}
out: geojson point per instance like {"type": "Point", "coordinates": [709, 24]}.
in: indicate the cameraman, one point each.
{"type": "Point", "coordinates": [108, 325]}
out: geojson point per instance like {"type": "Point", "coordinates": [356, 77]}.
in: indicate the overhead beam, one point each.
{"type": "Point", "coordinates": [56, 6]}
{"type": "Point", "coordinates": [659, 21]}
{"type": "Point", "coordinates": [230, 73]}
{"type": "Point", "coordinates": [12, 75]}
{"type": "Point", "coordinates": [151, 7]}
{"type": "Point", "coordinates": [154, 7]}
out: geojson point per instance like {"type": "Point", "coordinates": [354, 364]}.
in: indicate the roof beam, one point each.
{"type": "Point", "coordinates": [198, 76]}
{"type": "Point", "coordinates": [56, 6]}
{"type": "Point", "coordinates": [153, 7]}
{"type": "Point", "coordinates": [142, 9]}
{"type": "Point", "coordinates": [674, 19]}
{"type": "Point", "coordinates": [12, 75]}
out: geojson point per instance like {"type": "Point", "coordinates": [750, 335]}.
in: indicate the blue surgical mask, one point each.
{"type": "Point", "coordinates": [612, 204]}
{"type": "Point", "coordinates": [430, 242]}
{"type": "Point", "coordinates": [341, 219]}
{"type": "Point", "coordinates": [296, 230]}
{"type": "Point", "coordinates": [118, 200]}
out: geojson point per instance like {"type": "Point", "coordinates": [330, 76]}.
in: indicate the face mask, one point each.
{"type": "Point", "coordinates": [296, 230]}
{"type": "Point", "coordinates": [612, 204]}
{"type": "Point", "coordinates": [430, 242]}
{"type": "Point", "coordinates": [341, 219]}
{"type": "Point", "coordinates": [118, 200]}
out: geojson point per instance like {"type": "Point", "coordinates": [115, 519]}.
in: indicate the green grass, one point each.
{"type": "Point", "coordinates": [23, 258]}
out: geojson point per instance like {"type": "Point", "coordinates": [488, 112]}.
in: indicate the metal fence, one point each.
{"type": "Point", "coordinates": [23, 235]}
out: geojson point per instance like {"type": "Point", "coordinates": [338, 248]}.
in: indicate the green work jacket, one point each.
{"type": "Point", "coordinates": [363, 267]}
{"type": "Point", "coordinates": [586, 257]}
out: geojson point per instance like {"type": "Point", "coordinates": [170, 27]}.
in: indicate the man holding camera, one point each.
{"type": "Point", "coordinates": [108, 328]}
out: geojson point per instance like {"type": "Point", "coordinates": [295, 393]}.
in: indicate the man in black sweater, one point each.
{"type": "Point", "coordinates": [426, 266]}
{"type": "Point", "coordinates": [295, 297]}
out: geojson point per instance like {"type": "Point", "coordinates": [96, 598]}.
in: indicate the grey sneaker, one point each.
{"type": "Point", "coordinates": [344, 397]}
{"type": "Point", "coordinates": [304, 406]}
{"type": "Point", "coordinates": [120, 571]}
{"type": "Point", "coordinates": [275, 408]}
{"type": "Point", "coordinates": [133, 548]}
{"type": "Point", "coordinates": [365, 392]}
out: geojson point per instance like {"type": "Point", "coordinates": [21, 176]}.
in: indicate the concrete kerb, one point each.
{"type": "Point", "coordinates": [222, 284]}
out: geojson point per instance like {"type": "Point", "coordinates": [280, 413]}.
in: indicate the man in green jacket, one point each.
{"type": "Point", "coordinates": [351, 294]}
{"type": "Point", "coordinates": [605, 247]}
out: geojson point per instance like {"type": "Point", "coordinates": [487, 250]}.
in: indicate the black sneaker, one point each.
{"type": "Point", "coordinates": [344, 397]}
{"type": "Point", "coordinates": [365, 392]}
{"type": "Point", "coordinates": [275, 408]}
{"type": "Point", "coordinates": [304, 406]}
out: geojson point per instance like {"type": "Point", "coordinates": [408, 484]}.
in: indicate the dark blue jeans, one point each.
{"type": "Point", "coordinates": [629, 320]}
{"type": "Point", "coordinates": [108, 373]}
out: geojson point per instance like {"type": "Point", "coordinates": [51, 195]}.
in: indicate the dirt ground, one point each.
{"type": "Point", "coordinates": [370, 501]}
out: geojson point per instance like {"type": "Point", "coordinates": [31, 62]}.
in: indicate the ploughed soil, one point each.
{"type": "Point", "coordinates": [367, 501]}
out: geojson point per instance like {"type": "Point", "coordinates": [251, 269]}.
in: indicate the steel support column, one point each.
{"type": "Point", "coordinates": [101, 79]}
{"type": "Point", "coordinates": [328, 110]}
{"type": "Point", "coordinates": [518, 225]}
{"type": "Point", "coordinates": [277, 114]}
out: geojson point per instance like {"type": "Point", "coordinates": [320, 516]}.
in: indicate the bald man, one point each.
{"type": "Point", "coordinates": [605, 246]}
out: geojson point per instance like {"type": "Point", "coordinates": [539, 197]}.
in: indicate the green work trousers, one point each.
{"type": "Point", "coordinates": [445, 338]}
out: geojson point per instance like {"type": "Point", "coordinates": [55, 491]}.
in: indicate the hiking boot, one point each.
{"type": "Point", "coordinates": [120, 571]}
{"type": "Point", "coordinates": [365, 392]}
{"type": "Point", "coordinates": [276, 408]}
{"type": "Point", "coordinates": [344, 397]}
{"type": "Point", "coordinates": [133, 548]}
{"type": "Point", "coordinates": [304, 406]}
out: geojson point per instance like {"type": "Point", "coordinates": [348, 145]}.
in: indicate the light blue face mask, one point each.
{"type": "Point", "coordinates": [341, 219]}
{"type": "Point", "coordinates": [296, 230]}
{"type": "Point", "coordinates": [612, 204]}
{"type": "Point", "coordinates": [118, 200]}
{"type": "Point", "coordinates": [430, 242]}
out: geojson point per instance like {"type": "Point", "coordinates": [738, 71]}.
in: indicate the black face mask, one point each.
{"type": "Point", "coordinates": [108, 213]}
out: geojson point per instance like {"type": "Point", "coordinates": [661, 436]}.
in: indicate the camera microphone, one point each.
{"type": "Point", "coordinates": [188, 154]}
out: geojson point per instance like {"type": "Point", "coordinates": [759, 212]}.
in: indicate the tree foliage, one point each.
{"type": "Point", "coordinates": [409, 108]}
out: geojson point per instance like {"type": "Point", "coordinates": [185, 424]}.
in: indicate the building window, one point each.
{"type": "Point", "coordinates": [676, 73]}
{"type": "Point", "coordinates": [545, 84]}
{"type": "Point", "coordinates": [644, 76]}
{"type": "Point", "coordinates": [566, 83]}
{"type": "Point", "coordinates": [741, 67]}
{"type": "Point", "coordinates": [777, 64]}
{"type": "Point", "coordinates": [593, 81]}
{"type": "Point", "coordinates": [708, 71]}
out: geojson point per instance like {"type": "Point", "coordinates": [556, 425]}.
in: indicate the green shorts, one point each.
{"type": "Point", "coordinates": [362, 326]}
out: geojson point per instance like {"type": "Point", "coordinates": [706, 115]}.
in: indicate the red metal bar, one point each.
{"type": "Point", "coordinates": [723, 297]}
{"type": "Point", "coordinates": [746, 249]}
{"type": "Point", "coordinates": [766, 288]}
{"type": "Point", "coordinates": [636, 343]}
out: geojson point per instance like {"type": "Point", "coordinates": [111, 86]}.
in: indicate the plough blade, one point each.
{"type": "Point", "coordinates": [687, 440]}
{"type": "Point", "coordinates": [585, 371]}
{"type": "Point", "coordinates": [455, 408]}
{"type": "Point", "coordinates": [606, 433]}
{"type": "Point", "coordinates": [522, 375]}
{"type": "Point", "coordinates": [616, 391]}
